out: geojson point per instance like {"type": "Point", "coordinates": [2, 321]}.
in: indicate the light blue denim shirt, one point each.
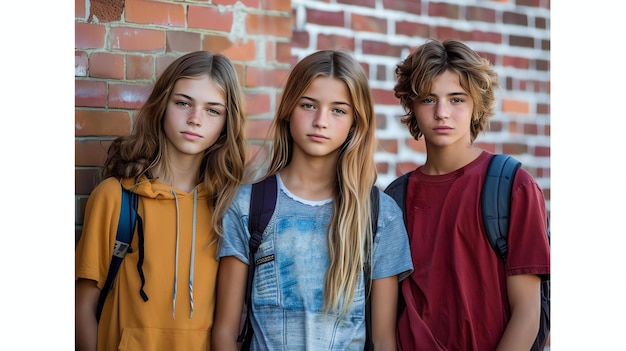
{"type": "Point", "coordinates": [288, 287]}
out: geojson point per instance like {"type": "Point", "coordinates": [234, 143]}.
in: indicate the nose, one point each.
{"type": "Point", "coordinates": [195, 117]}
{"type": "Point", "coordinates": [321, 119]}
{"type": "Point", "coordinates": [442, 110]}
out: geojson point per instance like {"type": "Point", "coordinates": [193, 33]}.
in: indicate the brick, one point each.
{"type": "Point", "coordinates": [81, 63]}
{"type": "Point", "coordinates": [326, 41]}
{"type": "Point", "coordinates": [276, 5]}
{"type": "Point", "coordinates": [139, 67]}
{"type": "Point", "coordinates": [531, 3]}
{"type": "Point", "coordinates": [481, 14]}
{"type": "Point", "coordinates": [283, 52]}
{"type": "Point", "coordinates": [543, 109]}
{"type": "Point", "coordinates": [128, 96]}
{"type": "Point", "coordinates": [382, 167]}
{"type": "Point", "coordinates": [514, 18]}
{"type": "Point", "coordinates": [80, 9]}
{"type": "Point", "coordinates": [514, 148]}
{"type": "Point", "coordinates": [388, 145]}
{"type": "Point", "coordinates": [209, 18]}
{"type": "Point", "coordinates": [413, 29]}
{"type": "Point", "coordinates": [407, 6]}
{"type": "Point", "coordinates": [541, 23]}
{"type": "Point", "coordinates": [379, 48]}
{"type": "Point", "coordinates": [106, 65]}
{"type": "Point", "coordinates": [441, 33]}
{"type": "Point", "coordinates": [258, 128]}
{"type": "Point", "coordinates": [104, 11]}
{"type": "Point", "coordinates": [542, 151]}
{"type": "Point", "coordinates": [384, 97]}
{"type": "Point", "coordinates": [495, 126]}
{"type": "Point", "coordinates": [85, 180]}
{"type": "Point", "coordinates": [517, 62]}
{"type": "Point", "coordinates": [416, 145]}
{"type": "Point", "coordinates": [162, 62]}
{"type": "Point", "coordinates": [403, 167]}
{"type": "Point", "coordinates": [90, 152]}
{"type": "Point", "coordinates": [545, 45]}
{"type": "Point", "coordinates": [530, 129]}
{"type": "Point", "coordinates": [362, 23]}
{"type": "Point", "coordinates": [90, 93]}
{"type": "Point", "coordinates": [154, 13]}
{"type": "Point", "coordinates": [522, 41]}
{"type": "Point", "coordinates": [247, 3]}
{"type": "Point", "coordinates": [137, 39]}
{"type": "Point", "coordinates": [542, 65]}
{"type": "Point", "coordinates": [241, 51]}
{"type": "Point", "coordinates": [279, 26]}
{"type": "Point", "coordinates": [491, 147]}
{"type": "Point", "coordinates": [89, 36]}
{"type": "Point", "coordinates": [258, 104]}
{"type": "Point", "coordinates": [443, 9]}
{"type": "Point", "coordinates": [300, 39]}
{"type": "Point", "coordinates": [182, 41]}
{"type": "Point", "coordinates": [362, 3]}
{"type": "Point", "coordinates": [261, 77]}
{"type": "Point", "coordinates": [325, 18]}
{"type": "Point", "coordinates": [101, 123]}
{"type": "Point", "coordinates": [515, 106]}
{"type": "Point", "coordinates": [486, 37]}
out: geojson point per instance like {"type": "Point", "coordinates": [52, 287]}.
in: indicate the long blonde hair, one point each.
{"type": "Point", "coordinates": [222, 165]}
{"type": "Point", "coordinates": [349, 232]}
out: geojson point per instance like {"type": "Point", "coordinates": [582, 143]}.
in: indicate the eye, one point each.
{"type": "Point", "coordinates": [339, 111]}
{"type": "Point", "coordinates": [457, 100]}
{"type": "Point", "coordinates": [213, 111]}
{"type": "Point", "coordinates": [182, 103]}
{"type": "Point", "coordinates": [306, 106]}
{"type": "Point", "coordinates": [427, 101]}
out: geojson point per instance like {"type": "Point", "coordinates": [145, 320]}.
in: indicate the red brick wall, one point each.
{"type": "Point", "coordinates": [121, 46]}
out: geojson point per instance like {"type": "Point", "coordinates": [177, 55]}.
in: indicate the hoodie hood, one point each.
{"type": "Point", "coordinates": [154, 189]}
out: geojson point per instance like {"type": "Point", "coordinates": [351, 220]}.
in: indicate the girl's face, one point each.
{"type": "Point", "coordinates": [444, 116]}
{"type": "Point", "coordinates": [194, 117]}
{"type": "Point", "coordinates": [322, 119]}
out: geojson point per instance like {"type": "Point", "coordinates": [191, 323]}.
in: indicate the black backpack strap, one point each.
{"type": "Point", "coordinates": [397, 190]}
{"type": "Point", "coordinates": [123, 238]}
{"type": "Point", "coordinates": [496, 200]}
{"type": "Point", "coordinates": [374, 198]}
{"type": "Point", "coordinates": [262, 204]}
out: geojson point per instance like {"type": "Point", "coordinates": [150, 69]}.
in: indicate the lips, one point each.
{"type": "Point", "coordinates": [191, 135]}
{"type": "Point", "coordinates": [317, 137]}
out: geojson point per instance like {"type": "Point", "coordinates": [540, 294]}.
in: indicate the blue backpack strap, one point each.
{"type": "Point", "coordinates": [262, 204]}
{"type": "Point", "coordinates": [496, 200]}
{"type": "Point", "coordinates": [123, 238]}
{"type": "Point", "coordinates": [374, 198]}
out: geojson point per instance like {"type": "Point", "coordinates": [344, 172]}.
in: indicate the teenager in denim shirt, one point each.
{"type": "Point", "coordinates": [308, 291]}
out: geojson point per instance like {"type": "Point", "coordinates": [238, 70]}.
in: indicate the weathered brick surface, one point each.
{"type": "Point", "coordinates": [264, 38]}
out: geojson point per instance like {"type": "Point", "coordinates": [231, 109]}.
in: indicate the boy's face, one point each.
{"type": "Point", "coordinates": [444, 116]}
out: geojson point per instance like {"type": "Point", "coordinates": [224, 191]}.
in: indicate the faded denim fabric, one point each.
{"type": "Point", "coordinates": [288, 288]}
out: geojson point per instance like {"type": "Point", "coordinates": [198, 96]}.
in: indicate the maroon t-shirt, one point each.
{"type": "Point", "coordinates": [456, 296]}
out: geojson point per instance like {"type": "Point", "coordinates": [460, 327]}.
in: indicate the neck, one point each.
{"type": "Point", "coordinates": [445, 160]}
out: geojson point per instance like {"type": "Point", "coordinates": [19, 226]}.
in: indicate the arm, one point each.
{"type": "Point", "coordinates": [86, 326]}
{"type": "Point", "coordinates": [231, 290]}
{"type": "Point", "coordinates": [384, 304]}
{"type": "Point", "coordinates": [524, 293]}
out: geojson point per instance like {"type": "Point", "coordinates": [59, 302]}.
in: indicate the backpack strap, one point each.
{"type": "Point", "coordinates": [397, 190]}
{"type": "Point", "coordinates": [374, 199]}
{"type": "Point", "coordinates": [262, 204]}
{"type": "Point", "coordinates": [123, 238]}
{"type": "Point", "coordinates": [496, 200]}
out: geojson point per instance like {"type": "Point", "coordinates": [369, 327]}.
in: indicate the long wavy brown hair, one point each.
{"type": "Point", "coordinates": [416, 74]}
{"type": "Point", "coordinates": [349, 232]}
{"type": "Point", "coordinates": [222, 165]}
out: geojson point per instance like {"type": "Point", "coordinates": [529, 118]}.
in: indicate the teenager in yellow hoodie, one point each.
{"type": "Point", "coordinates": [184, 158]}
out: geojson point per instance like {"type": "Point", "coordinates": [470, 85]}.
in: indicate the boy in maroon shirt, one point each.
{"type": "Point", "coordinates": [462, 295]}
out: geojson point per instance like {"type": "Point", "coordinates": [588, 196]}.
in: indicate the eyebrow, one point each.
{"type": "Point", "coordinates": [334, 102]}
{"type": "Point", "coordinates": [207, 103]}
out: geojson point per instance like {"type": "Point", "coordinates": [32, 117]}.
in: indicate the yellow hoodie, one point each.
{"type": "Point", "coordinates": [180, 274]}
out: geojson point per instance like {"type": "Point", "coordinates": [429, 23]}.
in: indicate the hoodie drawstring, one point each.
{"type": "Point", "coordinates": [193, 253]}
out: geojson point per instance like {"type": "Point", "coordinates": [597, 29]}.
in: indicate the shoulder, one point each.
{"type": "Point", "coordinates": [110, 189]}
